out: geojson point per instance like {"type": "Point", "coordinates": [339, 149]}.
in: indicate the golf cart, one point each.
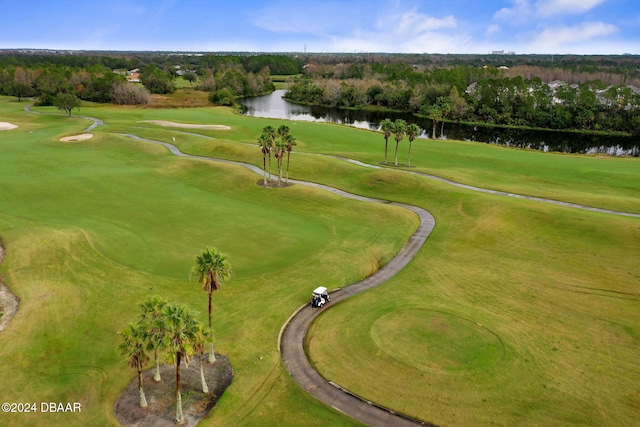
{"type": "Point", "coordinates": [319, 297]}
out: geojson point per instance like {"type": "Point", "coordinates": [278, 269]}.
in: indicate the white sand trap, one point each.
{"type": "Point", "coordinates": [7, 126]}
{"type": "Point", "coordinates": [187, 125]}
{"type": "Point", "coordinates": [81, 137]}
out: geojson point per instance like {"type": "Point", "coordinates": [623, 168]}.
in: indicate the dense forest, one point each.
{"type": "Point", "coordinates": [584, 98]}
{"type": "Point", "coordinates": [116, 78]}
{"type": "Point", "coordinates": [595, 93]}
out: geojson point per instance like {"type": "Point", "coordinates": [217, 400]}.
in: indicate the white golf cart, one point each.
{"type": "Point", "coordinates": [319, 297]}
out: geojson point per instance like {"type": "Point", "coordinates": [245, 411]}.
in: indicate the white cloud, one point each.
{"type": "Point", "coordinates": [565, 7]}
{"type": "Point", "coordinates": [554, 37]}
{"type": "Point", "coordinates": [428, 41]}
{"type": "Point", "coordinates": [492, 29]}
{"type": "Point", "coordinates": [408, 32]}
{"type": "Point", "coordinates": [417, 23]}
{"type": "Point", "coordinates": [388, 31]}
{"type": "Point", "coordinates": [304, 18]}
{"type": "Point", "coordinates": [523, 10]}
{"type": "Point", "coordinates": [520, 12]}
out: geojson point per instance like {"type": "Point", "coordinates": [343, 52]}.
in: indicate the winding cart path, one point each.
{"type": "Point", "coordinates": [291, 339]}
{"type": "Point", "coordinates": [292, 335]}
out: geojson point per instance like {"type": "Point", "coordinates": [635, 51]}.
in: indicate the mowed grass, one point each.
{"type": "Point", "coordinates": [598, 181]}
{"type": "Point", "coordinates": [513, 315]}
{"type": "Point", "coordinates": [93, 228]}
{"type": "Point", "coordinates": [514, 312]}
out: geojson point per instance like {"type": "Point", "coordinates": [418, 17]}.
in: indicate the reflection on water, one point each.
{"type": "Point", "coordinates": [274, 106]}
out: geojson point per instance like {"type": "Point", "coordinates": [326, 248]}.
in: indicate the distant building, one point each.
{"type": "Point", "coordinates": [133, 76]}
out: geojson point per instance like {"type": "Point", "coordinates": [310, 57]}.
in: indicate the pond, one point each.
{"type": "Point", "coordinates": [276, 107]}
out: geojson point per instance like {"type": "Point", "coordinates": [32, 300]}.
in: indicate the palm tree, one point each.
{"type": "Point", "coordinates": [212, 269]}
{"type": "Point", "coordinates": [399, 128]}
{"type": "Point", "coordinates": [435, 112]}
{"type": "Point", "coordinates": [133, 347]}
{"type": "Point", "coordinates": [270, 136]}
{"type": "Point", "coordinates": [180, 334]}
{"type": "Point", "coordinates": [150, 319]}
{"type": "Point", "coordinates": [290, 140]}
{"type": "Point", "coordinates": [445, 108]}
{"type": "Point", "coordinates": [387, 127]}
{"type": "Point", "coordinates": [283, 136]}
{"type": "Point", "coordinates": [413, 130]}
{"type": "Point", "coordinates": [281, 147]}
{"type": "Point", "coordinates": [202, 338]}
{"type": "Point", "coordinates": [265, 145]}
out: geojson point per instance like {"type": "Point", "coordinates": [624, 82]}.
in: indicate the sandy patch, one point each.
{"type": "Point", "coordinates": [187, 125]}
{"type": "Point", "coordinates": [7, 126]}
{"type": "Point", "coordinates": [8, 301]}
{"type": "Point", "coordinates": [81, 137]}
{"type": "Point", "coordinates": [161, 397]}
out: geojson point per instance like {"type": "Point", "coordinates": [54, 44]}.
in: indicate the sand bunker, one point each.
{"type": "Point", "coordinates": [81, 137]}
{"type": "Point", "coordinates": [7, 126]}
{"type": "Point", "coordinates": [187, 125]}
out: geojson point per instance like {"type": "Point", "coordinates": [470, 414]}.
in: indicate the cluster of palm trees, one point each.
{"type": "Point", "coordinates": [277, 141]}
{"type": "Point", "coordinates": [399, 129]}
{"type": "Point", "coordinates": [174, 329]}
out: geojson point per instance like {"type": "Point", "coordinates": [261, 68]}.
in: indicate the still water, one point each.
{"type": "Point", "coordinates": [276, 107]}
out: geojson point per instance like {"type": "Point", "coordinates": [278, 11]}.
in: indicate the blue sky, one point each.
{"type": "Point", "coordinates": [401, 26]}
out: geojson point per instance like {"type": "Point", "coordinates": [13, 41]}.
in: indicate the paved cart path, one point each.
{"type": "Point", "coordinates": [292, 335]}
{"type": "Point", "coordinates": [291, 340]}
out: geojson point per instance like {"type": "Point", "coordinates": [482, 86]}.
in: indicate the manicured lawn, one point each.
{"type": "Point", "coordinates": [514, 312]}
{"type": "Point", "coordinates": [512, 315]}
{"type": "Point", "coordinates": [604, 182]}
{"type": "Point", "coordinates": [92, 228]}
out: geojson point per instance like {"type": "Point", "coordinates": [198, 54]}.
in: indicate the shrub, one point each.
{"type": "Point", "coordinates": [222, 97]}
{"type": "Point", "coordinates": [126, 93]}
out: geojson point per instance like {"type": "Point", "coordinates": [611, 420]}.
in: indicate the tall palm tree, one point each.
{"type": "Point", "coordinates": [265, 146]}
{"type": "Point", "coordinates": [180, 334]}
{"type": "Point", "coordinates": [270, 135]}
{"type": "Point", "coordinates": [435, 112]}
{"type": "Point", "coordinates": [150, 319]}
{"type": "Point", "coordinates": [445, 108]}
{"type": "Point", "coordinates": [387, 127]}
{"type": "Point", "coordinates": [283, 135]}
{"type": "Point", "coordinates": [290, 140]}
{"type": "Point", "coordinates": [413, 130]}
{"type": "Point", "coordinates": [133, 348]}
{"type": "Point", "coordinates": [399, 129]}
{"type": "Point", "coordinates": [212, 269]}
{"type": "Point", "coordinates": [278, 153]}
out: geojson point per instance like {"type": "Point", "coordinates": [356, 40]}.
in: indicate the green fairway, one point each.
{"type": "Point", "coordinates": [598, 181]}
{"type": "Point", "coordinates": [500, 323]}
{"type": "Point", "coordinates": [514, 312]}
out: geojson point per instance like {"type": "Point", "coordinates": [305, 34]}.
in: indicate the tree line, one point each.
{"type": "Point", "coordinates": [230, 81]}
{"type": "Point", "coordinates": [96, 84]}
{"type": "Point", "coordinates": [279, 64]}
{"type": "Point", "coordinates": [476, 95]}
{"type": "Point", "coordinates": [96, 79]}
{"type": "Point", "coordinates": [613, 64]}
{"type": "Point", "coordinates": [293, 62]}
{"type": "Point", "coordinates": [173, 330]}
